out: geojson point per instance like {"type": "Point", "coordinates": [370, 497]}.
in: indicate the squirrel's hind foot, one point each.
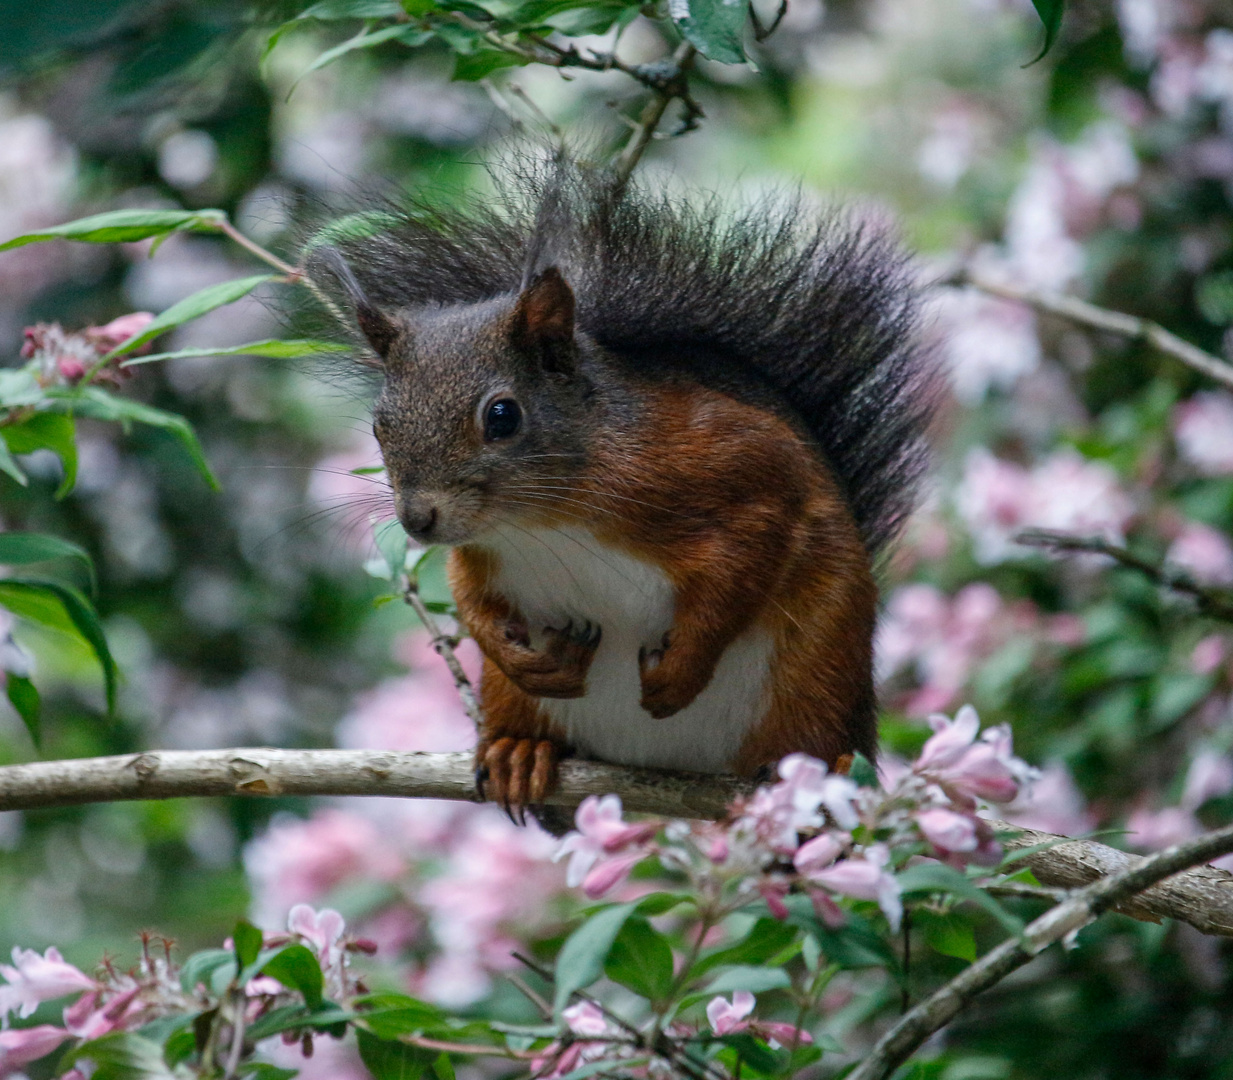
{"type": "Point", "coordinates": [516, 773]}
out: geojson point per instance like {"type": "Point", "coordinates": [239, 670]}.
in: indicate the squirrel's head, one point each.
{"type": "Point", "coordinates": [480, 413]}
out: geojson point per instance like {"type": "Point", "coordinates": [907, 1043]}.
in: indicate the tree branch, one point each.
{"type": "Point", "coordinates": [898, 1044]}
{"type": "Point", "coordinates": [1214, 603]}
{"type": "Point", "coordinates": [1202, 897]}
{"type": "Point", "coordinates": [671, 82]}
{"type": "Point", "coordinates": [1098, 318]}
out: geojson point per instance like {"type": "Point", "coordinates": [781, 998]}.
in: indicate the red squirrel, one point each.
{"type": "Point", "coordinates": [666, 443]}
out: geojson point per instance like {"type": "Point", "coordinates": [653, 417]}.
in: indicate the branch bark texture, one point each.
{"type": "Point", "coordinates": [1202, 897]}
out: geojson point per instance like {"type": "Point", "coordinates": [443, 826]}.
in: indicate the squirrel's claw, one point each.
{"type": "Point", "coordinates": [520, 773]}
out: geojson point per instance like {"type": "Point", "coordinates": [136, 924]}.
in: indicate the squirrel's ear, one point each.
{"type": "Point", "coordinates": [544, 314]}
{"type": "Point", "coordinates": [378, 327]}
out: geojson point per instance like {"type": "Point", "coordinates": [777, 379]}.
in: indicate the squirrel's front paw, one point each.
{"type": "Point", "coordinates": [559, 669]}
{"type": "Point", "coordinates": [669, 681]}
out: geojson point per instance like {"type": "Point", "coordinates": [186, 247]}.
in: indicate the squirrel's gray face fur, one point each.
{"type": "Point", "coordinates": [480, 408]}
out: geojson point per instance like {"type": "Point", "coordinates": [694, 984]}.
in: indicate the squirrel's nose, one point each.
{"type": "Point", "coordinates": [419, 520]}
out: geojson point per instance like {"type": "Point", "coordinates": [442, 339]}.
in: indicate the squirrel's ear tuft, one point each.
{"type": "Point", "coordinates": [378, 327]}
{"type": "Point", "coordinates": [544, 314]}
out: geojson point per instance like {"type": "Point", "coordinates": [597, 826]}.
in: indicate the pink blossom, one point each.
{"type": "Point", "coordinates": [818, 853]}
{"type": "Point", "coordinates": [92, 1017]}
{"type": "Point", "coordinates": [609, 873]}
{"type": "Point", "coordinates": [299, 861]}
{"type": "Point", "coordinates": [1203, 428]}
{"type": "Point", "coordinates": [1066, 492]}
{"type": "Point", "coordinates": [105, 338]}
{"type": "Point", "coordinates": [1156, 829]}
{"type": "Point", "coordinates": [323, 930]}
{"type": "Point", "coordinates": [725, 1017]}
{"type": "Point", "coordinates": [1208, 654]}
{"type": "Point", "coordinates": [585, 1018]}
{"type": "Point", "coordinates": [947, 830]}
{"type": "Point", "coordinates": [20, 1046]}
{"type": "Point", "coordinates": [1051, 803]}
{"type": "Point", "coordinates": [990, 343]}
{"type": "Point", "coordinates": [1209, 777]}
{"type": "Point", "coordinates": [969, 768]}
{"type": "Point", "coordinates": [863, 877]}
{"type": "Point", "coordinates": [773, 892]}
{"type": "Point", "coordinates": [35, 979]}
{"type": "Point", "coordinates": [71, 367]}
{"type": "Point", "coordinates": [601, 834]}
{"type": "Point", "coordinates": [1204, 552]}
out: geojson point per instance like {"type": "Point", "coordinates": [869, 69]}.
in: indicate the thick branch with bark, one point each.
{"type": "Point", "coordinates": [1202, 897]}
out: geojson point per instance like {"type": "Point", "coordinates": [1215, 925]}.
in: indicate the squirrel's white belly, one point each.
{"type": "Point", "coordinates": [554, 575]}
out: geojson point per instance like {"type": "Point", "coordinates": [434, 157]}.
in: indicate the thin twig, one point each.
{"type": "Point", "coordinates": [1015, 891]}
{"type": "Point", "coordinates": [932, 1014]}
{"type": "Point", "coordinates": [1098, 318]}
{"type": "Point", "coordinates": [1212, 602]}
{"type": "Point", "coordinates": [673, 84]}
{"type": "Point", "coordinates": [444, 646]}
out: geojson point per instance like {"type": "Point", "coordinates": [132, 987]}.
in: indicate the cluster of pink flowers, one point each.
{"type": "Point", "coordinates": [941, 640]}
{"type": "Point", "coordinates": [997, 499]}
{"type": "Point", "coordinates": [842, 840]}
{"type": "Point", "coordinates": [62, 356]}
{"type": "Point", "coordinates": [113, 1000]}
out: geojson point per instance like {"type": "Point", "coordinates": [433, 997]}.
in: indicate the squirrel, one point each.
{"type": "Point", "coordinates": [667, 443]}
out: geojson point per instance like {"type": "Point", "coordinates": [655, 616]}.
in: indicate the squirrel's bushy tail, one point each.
{"type": "Point", "coordinates": [821, 306]}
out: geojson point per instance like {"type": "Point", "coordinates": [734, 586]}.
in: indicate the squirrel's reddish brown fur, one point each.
{"type": "Point", "coordinates": [674, 510]}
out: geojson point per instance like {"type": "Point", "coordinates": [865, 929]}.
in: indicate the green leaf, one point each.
{"type": "Point", "coordinates": [365, 39]}
{"type": "Point", "coordinates": [25, 699]}
{"type": "Point", "coordinates": [443, 1067]}
{"type": "Point", "coordinates": [9, 466]}
{"type": "Point", "coordinates": [934, 877]}
{"type": "Point", "coordinates": [392, 1060]}
{"type": "Point", "coordinates": [754, 1053]}
{"type": "Point", "coordinates": [47, 431]}
{"type": "Point", "coordinates": [748, 977]}
{"type": "Point", "coordinates": [855, 944]}
{"type": "Point", "coordinates": [359, 226]}
{"type": "Point", "coordinates": [391, 541]}
{"type": "Point", "coordinates": [296, 1017]}
{"type": "Point", "coordinates": [98, 404]}
{"type": "Point", "coordinates": [122, 1055]}
{"type": "Point", "coordinates": [192, 307]}
{"type": "Point", "coordinates": [950, 934]}
{"type": "Point", "coordinates": [297, 969]}
{"type": "Point", "coordinates": [765, 938]}
{"type": "Point", "coordinates": [862, 773]}
{"type": "Point", "coordinates": [581, 959]}
{"type": "Point", "coordinates": [715, 27]}
{"type": "Point", "coordinates": [124, 226]}
{"type": "Point", "coordinates": [1214, 297]}
{"type": "Point", "coordinates": [263, 1070]}
{"type": "Point", "coordinates": [471, 67]}
{"type": "Point", "coordinates": [22, 596]}
{"type": "Point", "coordinates": [390, 1015]}
{"type": "Point", "coordinates": [20, 549]}
{"type": "Point", "coordinates": [640, 959]}
{"type": "Point", "coordinates": [248, 941]}
{"type": "Point", "coordinates": [658, 903]}
{"type": "Point", "coordinates": [352, 9]}
{"type": "Point", "coordinates": [1050, 12]}
{"type": "Point", "coordinates": [272, 347]}
{"type": "Point", "coordinates": [201, 965]}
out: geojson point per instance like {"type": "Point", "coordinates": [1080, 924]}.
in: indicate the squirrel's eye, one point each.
{"type": "Point", "coordinates": [502, 419]}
